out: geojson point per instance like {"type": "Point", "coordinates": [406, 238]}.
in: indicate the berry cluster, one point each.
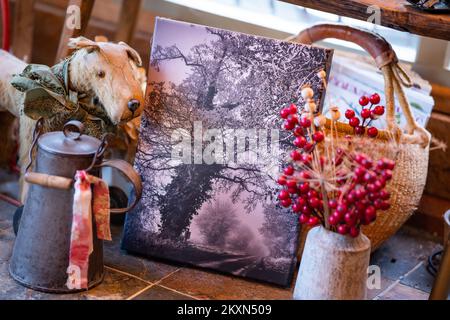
{"type": "Point", "coordinates": [303, 127]}
{"type": "Point", "coordinates": [342, 190]}
{"type": "Point", "coordinates": [367, 114]}
{"type": "Point", "coordinates": [358, 203]}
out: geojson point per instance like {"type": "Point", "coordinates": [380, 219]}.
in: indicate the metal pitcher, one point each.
{"type": "Point", "coordinates": [41, 251]}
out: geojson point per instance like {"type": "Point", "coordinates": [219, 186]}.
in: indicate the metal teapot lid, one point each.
{"type": "Point", "coordinates": [70, 141]}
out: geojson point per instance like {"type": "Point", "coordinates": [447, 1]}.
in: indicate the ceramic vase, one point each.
{"type": "Point", "coordinates": [333, 267]}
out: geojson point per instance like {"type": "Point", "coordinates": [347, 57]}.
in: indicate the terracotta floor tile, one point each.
{"type": "Point", "coordinates": [385, 283]}
{"type": "Point", "coordinates": [402, 292]}
{"type": "Point", "coordinates": [6, 244]}
{"type": "Point", "coordinates": [143, 268]}
{"type": "Point", "coordinates": [208, 285]}
{"type": "Point", "coordinates": [401, 253]}
{"type": "Point", "coordinates": [115, 286]}
{"type": "Point", "coordinates": [159, 293]}
{"type": "Point", "coordinates": [6, 214]}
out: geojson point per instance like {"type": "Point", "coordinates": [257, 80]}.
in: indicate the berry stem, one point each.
{"type": "Point", "coordinates": [326, 210]}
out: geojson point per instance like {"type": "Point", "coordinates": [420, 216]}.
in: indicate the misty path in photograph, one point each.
{"type": "Point", "coordinates": [210, 150]}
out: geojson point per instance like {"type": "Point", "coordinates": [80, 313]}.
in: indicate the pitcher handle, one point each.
{"type": "Point", "coordinates": [129, 172]}
{"type": "Point", "coordinates": [36, 134]}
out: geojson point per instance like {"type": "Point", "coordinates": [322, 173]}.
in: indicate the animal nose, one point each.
{"type": "Point", "coordinates": [133, 105]}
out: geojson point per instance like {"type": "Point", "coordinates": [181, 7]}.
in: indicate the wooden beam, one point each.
{"type": "Point", "coordinates": [128, 19]}
{"type": "Point", "coordinates": [69, 32]}
{"type": "Point", "coordinates": [396, 14]}
{"type": "Point", "coordinates": [22, 44]}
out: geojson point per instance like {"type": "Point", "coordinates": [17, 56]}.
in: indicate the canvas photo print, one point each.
{"type": "Point", "coordinates": [211, 147]}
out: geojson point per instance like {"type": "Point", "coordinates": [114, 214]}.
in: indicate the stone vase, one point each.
{"type": "Point", "coordinates": [333, 267]}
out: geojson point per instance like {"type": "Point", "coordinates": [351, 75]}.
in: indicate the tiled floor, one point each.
{"type": "Point", "coordinates": [402, 261]}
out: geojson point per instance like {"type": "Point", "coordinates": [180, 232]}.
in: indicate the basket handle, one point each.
{"type": "Point", "coordinates": [386, 59]}
{"type": "Point", "coordinates": [380, 50]}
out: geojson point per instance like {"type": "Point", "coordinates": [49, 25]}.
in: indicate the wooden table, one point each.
{"type": "Point", "coordinates": [396, 14]}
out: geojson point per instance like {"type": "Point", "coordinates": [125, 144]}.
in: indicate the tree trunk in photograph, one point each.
{"type": "Point", "coordinates": [333, 267]}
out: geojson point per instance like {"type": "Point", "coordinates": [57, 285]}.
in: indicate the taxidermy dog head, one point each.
{"type": "Point", "coordinates": [100, 84]}
{"type": "Point", "coordinates": [109, 75]}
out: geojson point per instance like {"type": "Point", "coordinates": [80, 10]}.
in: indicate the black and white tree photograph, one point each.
{"type": "Point", "coordinates": [211, 148]}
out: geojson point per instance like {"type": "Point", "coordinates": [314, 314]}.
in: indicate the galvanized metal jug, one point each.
{"type": "Point", "coordinates": [41, 252]}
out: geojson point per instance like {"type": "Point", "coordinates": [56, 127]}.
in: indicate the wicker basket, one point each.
{"type": "Point", "coordinates": [410, 174]}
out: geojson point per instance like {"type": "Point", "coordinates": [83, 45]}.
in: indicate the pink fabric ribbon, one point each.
{"type": "Point", "coordinates": [86, 202]}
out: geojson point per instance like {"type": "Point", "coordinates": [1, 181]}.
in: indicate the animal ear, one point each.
{"type": "Point", "coordinates": [133, 54]}
{"type": "Point", "coordinates": [82, 42]}
{"type": "Point", "coordinates": [101, 39]}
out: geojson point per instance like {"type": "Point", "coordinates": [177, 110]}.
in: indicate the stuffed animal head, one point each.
{"type": "Point", "coordinates": [110, 75]}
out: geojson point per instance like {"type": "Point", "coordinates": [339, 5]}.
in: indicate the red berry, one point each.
{"type": "Point", "coordinates": [292, 184]}
{"type": "Point", "coordinates": [318, 136]}
{"type": "Point", "coordinates": [384, 195]}
{"type": "Point", "coordinates": [306, 210]}
{"type": "Point", "coordinates": [314, 202]}
{"type": "Point", "coordinates": [380, 184]}
{"type": "Point", "coordinates": [286, 202]}
{"type": "Point", "coordinates": [312, 193]}
{"type": "Point", "coordinates": [359, 130]}
{"type": "Point", "coordinates": [288, 125]}
{"type": "Point", "coordinates": [390, 164]}
{"type": "Point", "coordinates": [372, 132]}
{"type": "Point", "coordinates": [283, 195]}
{"type": "Point", "coordinates": [354, 122]}
{"type": "Point", "coordinates": [342, 208]}
{"type": "Point", "coordinates": [284, 113]}
{"type": "Point", "coordinates": [338, 216]}
{"type": "Point", "coordinates": [281, 180]}
{"type": "Point", "coordinates": [375, 98]}
{"type": "Point", "coordinates": [298, 131]}
{"type": "Point", "coordinates": [354, 232]}
{"type": "Point", "coordinates": [304, 187]}
{"type": "Point", "coordinates": [385, 205]}
{"type": "Point", "coordinates": [367, 163]}
{"type": "Point", "coordinates": [373, 115]}
{"type": "Point", "coordinates": [305, 175]}
{"type": "Point", "coordinates": [386, 174]}
{"type": "Point", "coordinates": [301, 201]}
{"type": "Point", "coordinates": [293, 109]}
{"type": "Point", "coordinates": [360, 193]}
{"type": "Point", "coordinates": [365, 113]}
{"type": "Point", "coordinates": [296, 208]}
{"type": "Point", "coordinates": [360, 171]}
{"type": "Point", "coordinates": [295, 155]}
{"type": "Point", "coordinates": [308, 146]}
{"type": "Point", "coordinates": [342, 229]}
{"type": "Point", "coordinates": [349, 113]}
{"type": "Point", "coordinates": [289, 171]}
{"type": "Point", "coordinates": [378, 203]}
{"type": "Point", "coordinates": [293, 118]}
{"type": "Point", "coordinates": [300, 142]}
{"type": "Point", "coordinates": [303, 218]}
{"type": "Point", "coordinates": [333, 220]}
{"type": "Point", "coordinates": [350, 218]}
{"type": "Point", "coordinates": [332, 203]}
{"type": "Point", "coordinates": [373, 196]}
{"type": "Point", "coordinates": [364, 101]}
{"type": "Point", "coordinates": [378, 110]}
{"type": "Point", "coordinates": [351, 197]}
{"type": "Point", "coordinates": [313, 221]}
{"type": "Point", "coordinates": [306, 159]}
{"type": "Point", "coordinates": [371, 213]}
{"type": "Point", "coordinates": [305, 122]}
